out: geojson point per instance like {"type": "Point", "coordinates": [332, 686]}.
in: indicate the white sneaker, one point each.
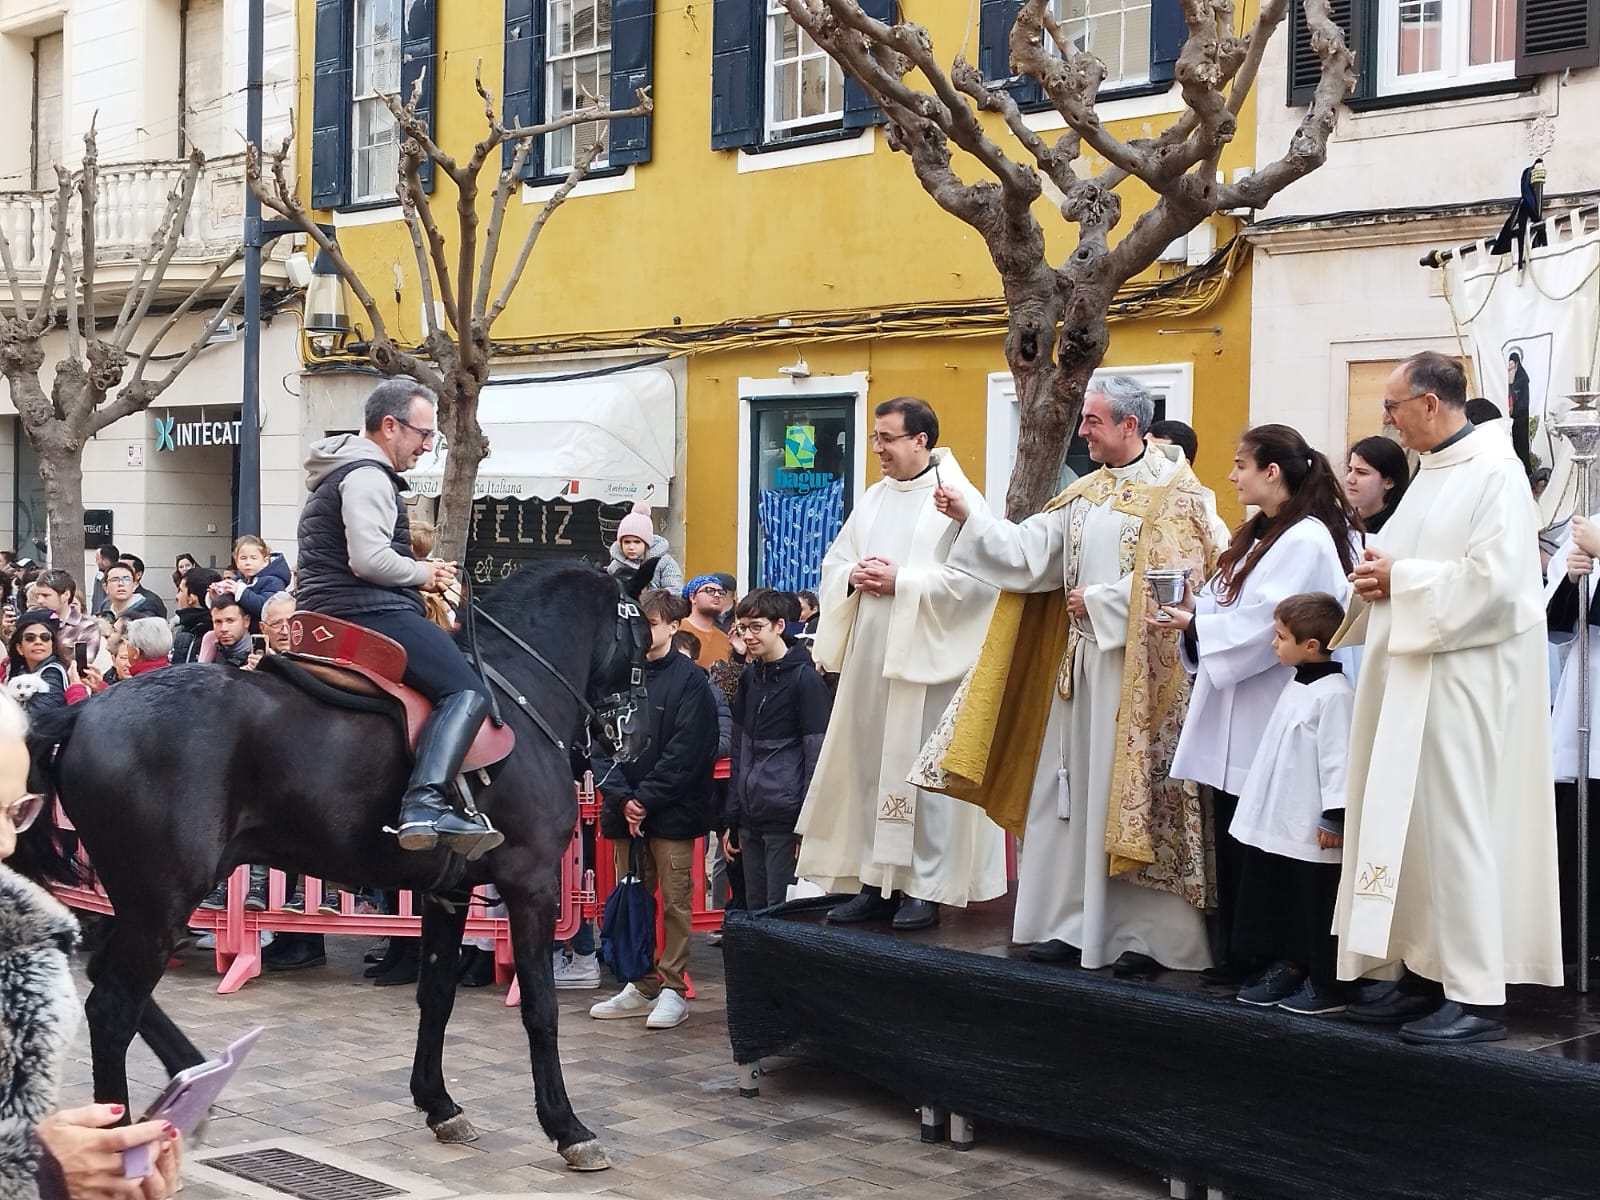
{"type": "Point", "coordinates": [577, 971]}
{"type": "Point", "coordinates": [629, 1002]}
{"type": "Point", "coordinates": [669, 1012]}
{"type": "Point", "coordinates": [206, 941]}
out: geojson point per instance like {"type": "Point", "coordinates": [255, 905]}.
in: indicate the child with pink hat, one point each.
{"type": "Point", "coordinates": [637, 541]}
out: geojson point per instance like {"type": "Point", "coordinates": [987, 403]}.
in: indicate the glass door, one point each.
{"type": "Point", "coordinates": [802, 459]}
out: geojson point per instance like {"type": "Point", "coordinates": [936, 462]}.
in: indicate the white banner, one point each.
{"type": "Point", "coordinates": [1533, 328]}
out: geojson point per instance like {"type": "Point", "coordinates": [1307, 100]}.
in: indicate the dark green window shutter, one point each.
{"type": "Point", "coordinates": [1305, 71]}
{"type": "Point", "coordinates": [418, 62]}
{"type": "Point", "coordinates": [738, 45]}
{"type": "Point", "coordinates": [1554, 35]}
{"type": "Point", "coordinates": [633, 25]}
{"type": "Point", "coordinates": [995, 19]}
{"type": "Point", "coordinates": [1168, 32]}
{"type": "Point", "coordinates": [859, 110]}
{"type": "Point", "coordinates": [330, 104]}
{"type": "Point", "coordinates": [524, 79]}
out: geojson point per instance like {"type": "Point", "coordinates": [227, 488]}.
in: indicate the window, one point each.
{"type": "Point", "coordinates": [1427, 44]}
{"type": "Point", "coordinates": [577, 76]}
{"type": "Point", "coordinates": [1406, 47]}
{"type": "Point", "coordinates": [376, 63]}
{"type": "Point", "coordinates": [49, 97]}
{"type": "Point", "coordinates": [209, 121]}
{"type": "Point", "coordinates": [1117, 32]}
{"type": "Point", "coordinates": [805, 88]}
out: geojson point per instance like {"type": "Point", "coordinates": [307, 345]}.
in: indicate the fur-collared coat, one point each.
{"type": "Point", "coordinates": [38, 1016]}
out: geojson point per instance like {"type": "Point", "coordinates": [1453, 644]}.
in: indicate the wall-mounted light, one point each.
{"type": "Point", "coordinates": [326, 311]}
{"type": "Point", "coordinates": [798, 371]}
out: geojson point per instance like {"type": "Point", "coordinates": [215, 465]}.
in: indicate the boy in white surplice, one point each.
{"type": "Point", "coordinates": [1290, 819]}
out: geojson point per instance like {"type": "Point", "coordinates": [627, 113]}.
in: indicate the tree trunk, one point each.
{"type": "Point", "coordinates": [62, 471]}
{"type": "Point", "coordinates": [458, 417]}
{"type": "Point", "coordinates": [1049, 402]}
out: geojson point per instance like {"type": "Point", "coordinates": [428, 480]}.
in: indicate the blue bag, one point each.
{"type": "Point", "coordinates": [628, 923]}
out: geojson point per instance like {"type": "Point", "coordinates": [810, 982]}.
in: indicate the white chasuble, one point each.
{"type": "Point", "coordinates": [899, 659]}
{"type": "Point", "coordinates": [1065, 889]}
{"type": "Point", "coordinates": [1450, 847]}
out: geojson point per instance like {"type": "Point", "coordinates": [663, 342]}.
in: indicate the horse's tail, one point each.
{"type": "Point", "coordinates": [45, 852]}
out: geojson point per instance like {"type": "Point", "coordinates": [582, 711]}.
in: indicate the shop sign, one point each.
{"type": "Point", "coordinates": [173, 434]}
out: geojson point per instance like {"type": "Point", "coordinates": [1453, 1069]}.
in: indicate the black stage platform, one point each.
{"type": "Point", "coordinates": [1170, 1077]}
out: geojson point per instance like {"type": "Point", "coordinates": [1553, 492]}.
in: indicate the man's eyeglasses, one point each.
{"type": "Point", "coordinates": [1390, 405]}
{"type": "Point", "coordinates": [427, 435]}
{"type": "Point", "coordinates": [111, 579]}
{"type": "Point", "coordinates": [749, 628]}
{"type": "Point", "coordinates": [710, 589]}
{"type": "Point", "coordinates": [24, 810]}
{"type": "Point", "coordinates": [887, 439]}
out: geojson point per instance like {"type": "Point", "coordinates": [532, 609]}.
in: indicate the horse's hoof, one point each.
{"type": "Point", "coordinates": [586, 1156]}
{"type": "Point", "coordinates": [455, 1130]}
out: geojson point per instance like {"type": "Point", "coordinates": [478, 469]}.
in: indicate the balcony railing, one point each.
{"type": "Point", "coordinates": [131, 201]}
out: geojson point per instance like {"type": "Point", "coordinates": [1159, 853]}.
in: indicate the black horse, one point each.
{"type": "Point", "coordinates": [177, 776]}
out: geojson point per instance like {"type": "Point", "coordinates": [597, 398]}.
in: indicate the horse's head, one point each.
{"type": "Point", "coordinates": [616, 683]}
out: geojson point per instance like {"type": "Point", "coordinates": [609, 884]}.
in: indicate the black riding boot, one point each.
{"type": "Point", "coordinates": [426, 815]}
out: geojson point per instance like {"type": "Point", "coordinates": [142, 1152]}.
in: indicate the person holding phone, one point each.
{"type": "Point", "coordinates": [56, 1154]}
{"type": "Point", "coordinates": [32, 651]}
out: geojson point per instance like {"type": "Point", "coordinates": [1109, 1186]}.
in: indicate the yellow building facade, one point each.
{"type": "Point", "coordinates": [763, 250]}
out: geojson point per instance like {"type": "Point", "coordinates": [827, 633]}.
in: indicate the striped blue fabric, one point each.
{"type": "Point", "coordinates": [796, 531]}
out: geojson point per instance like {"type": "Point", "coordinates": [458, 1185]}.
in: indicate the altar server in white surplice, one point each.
{"type": "Point", "coordinates": [901, 628]}
{"type": "Point", "coordinates": [1450, 849]}
{"type": "Point", "coordinates": [1067, 725]}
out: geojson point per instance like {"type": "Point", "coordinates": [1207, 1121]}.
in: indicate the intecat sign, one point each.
{"type": "Point", "coordinates": [173, 434]}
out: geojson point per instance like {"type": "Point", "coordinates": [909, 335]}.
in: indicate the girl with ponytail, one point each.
{"type": "Point", "coordinates": [1304, 538]}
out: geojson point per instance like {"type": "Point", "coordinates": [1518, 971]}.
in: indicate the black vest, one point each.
{"type": "Point", "coordinates": [324, 581]}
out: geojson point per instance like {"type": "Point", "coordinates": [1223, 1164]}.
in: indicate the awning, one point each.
{"type": "Point", "coordinates": [611, 438]}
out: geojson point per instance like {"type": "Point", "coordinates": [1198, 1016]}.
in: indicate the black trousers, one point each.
{"type": "Point", "coordinates": [1567, 845]}
{"type": "Point", "coordinates": [1285, 913]}
{"type": "Point", "coordinates": [435, 665]}
{"type": "Point", "coordinates": [1230, 865]}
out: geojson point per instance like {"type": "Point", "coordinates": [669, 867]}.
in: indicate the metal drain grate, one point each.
{"type": "Point", "coordinates": [296, 1175]}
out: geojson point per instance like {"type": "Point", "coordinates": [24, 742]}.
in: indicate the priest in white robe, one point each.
{"type": "Point", "coordinates": [1449, 863]}
{"type": "Point", "coordinates": [1066, 729]}
{"type": "Point", "coordinates": [901, 628]}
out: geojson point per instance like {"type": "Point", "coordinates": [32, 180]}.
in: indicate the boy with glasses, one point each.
{"type": "Point", "coordinates": [780, 715]}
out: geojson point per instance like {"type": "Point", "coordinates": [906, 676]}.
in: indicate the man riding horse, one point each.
{"type": "Point", "coordinates": [356, 564]}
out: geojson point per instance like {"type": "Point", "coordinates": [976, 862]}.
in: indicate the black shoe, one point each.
{"type": "Point", "coordinates": [296, 902]}
{"type": "Point", "coordinates": [1454, 1024]}
{"type": "Point", "coordinates": [307, 951]}
{"type": "Point", "coordinates": [392, 954]}
{"type": "Point", "coordinates": [406, 967]}
{"type": "Point", "coordinates": [426, 815]}
{"type": "Point", "coordinates": [1054, 951]}
{"type": "Point", "coordinates": [870, 905]}
{"type": "Point", "coordinates": [1131, 964]}
{"type": "Point", "coordinates": [1317, 1000]}
{"type": "Point", "coordinates": [1412, 998]}
{"type": "Point", "coordinates": [1273, 986]}
{"type": "Point", "coordinates": [477, 967]}
{"type": "Point", "coordinates": [255, 899]}
{"type": "Point", "coordinates": [379, 952]}
{"type": "Point", "coordinates": [915, 914]}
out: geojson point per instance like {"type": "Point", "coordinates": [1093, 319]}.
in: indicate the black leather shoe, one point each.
{"type": "Point", "coordinates": [406, 965]}
{"type": "Point", "coordinates": [870, 905]}
{"type": "Point", "coordinates": [426, 816]}
{"type": "Point", "coordinates": [477, 967]}
{"type": "Point", "coordinates": [1454, 1025]}
{"type": "Point", "coordinates": [1234, 972]}
{"type": "Point", "coordinates": [1054, 951]}
{"type": "Point", "coordinates": [305, 951]}
{"type": "Point", "coordinates": [915, 914]}
{"type": "Point", "coordinates": [1398, 1007]}
{"type": "Point", "coordinates": [1131, 964]}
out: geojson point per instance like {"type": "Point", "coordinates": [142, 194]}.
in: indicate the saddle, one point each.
{"type": "Point", "coordinates": [341, 663]}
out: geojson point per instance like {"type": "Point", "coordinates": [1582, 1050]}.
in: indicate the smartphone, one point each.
{"type": "Point", "coordinates": [80, 654]}
{"type": "Point", "coordinates": [258, 642]}
{"type": "Point", "coordinates": [187, 1099]}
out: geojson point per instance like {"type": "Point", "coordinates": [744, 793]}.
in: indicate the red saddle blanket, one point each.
{"type": "Point", "coordinates": [359, 654]}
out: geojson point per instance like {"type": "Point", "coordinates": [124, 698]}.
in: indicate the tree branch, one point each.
{"type": "Point", "coordinates": [580, 168]}
{"type": "Point", "coordinates": [507, 183]}
{"type": "Point", "coordinates": [139, 395]}
{"type": "Point", "coordinates": [44, 313]}
{"type": "Point", "coordinates": [89, 193]}
{"type": "Point", "coordinates": [165, 243]}
{"type": "Point", "coordinates": [182, 310]}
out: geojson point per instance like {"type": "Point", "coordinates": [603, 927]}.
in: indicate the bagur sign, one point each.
{"type": "Point", "coordinates": [175, 434]}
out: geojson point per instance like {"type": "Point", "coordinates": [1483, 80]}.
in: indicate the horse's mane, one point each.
{"type": "Point", "coordinates": [522, 593]}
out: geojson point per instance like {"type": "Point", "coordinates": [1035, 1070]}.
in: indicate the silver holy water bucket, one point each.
{"type": "Point", "coordinates": [1167, 583]}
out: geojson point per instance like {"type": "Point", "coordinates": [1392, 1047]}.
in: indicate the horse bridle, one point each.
{"type": "Point", "coordinates": [617, 714]}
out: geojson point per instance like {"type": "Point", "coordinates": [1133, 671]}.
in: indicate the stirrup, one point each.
{"type": "Point", "coordinates": [472, 846]}
{"type": "Point", "coordinates": [415, 835]}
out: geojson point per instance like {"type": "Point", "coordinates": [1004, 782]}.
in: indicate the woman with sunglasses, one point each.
{"type": "Point", "coordinates": [71, 1154]}
{"type": "Point", "coordinates": [32, 651]}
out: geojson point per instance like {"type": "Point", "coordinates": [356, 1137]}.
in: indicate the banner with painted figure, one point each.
{"type": "Point", "coordinates": [1532, 333]}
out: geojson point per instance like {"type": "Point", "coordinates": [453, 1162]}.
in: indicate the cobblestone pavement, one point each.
{"type": "Point", "coordinates": [332, 1072]}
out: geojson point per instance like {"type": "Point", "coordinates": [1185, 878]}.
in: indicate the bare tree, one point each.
{"type": "Point", "coordinates": [100, 355]}
{"type": "Point", "coordinates": [1056, 313]}
{"type": "Point", "coordinates": [454, 355]}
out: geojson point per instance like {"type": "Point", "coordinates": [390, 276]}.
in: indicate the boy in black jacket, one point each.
{"type": "Point", "coordinates": [664, 798]}
{"type": "Point", "coordinates": [780, 714]}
